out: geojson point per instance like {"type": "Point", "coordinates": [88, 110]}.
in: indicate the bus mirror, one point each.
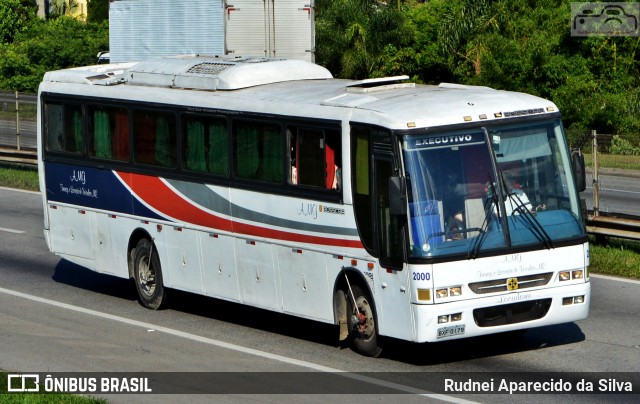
{"type": "Point", "coordinates": [397, 196]}
{"type": "Point", "coordinates": [578, 169]}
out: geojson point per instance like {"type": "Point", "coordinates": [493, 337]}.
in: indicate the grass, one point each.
{"type": "Point", "coordinates": [615, 257]}
{"type": "Point", "coordinates": [614, 161]}
{"type": "Point", "coordinates": [19, 177]}
{"type": "Point", "coordinates": [42, 398]}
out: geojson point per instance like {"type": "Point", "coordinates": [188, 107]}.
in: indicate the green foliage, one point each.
{"type": "Point", "coordinates": [352, 35]}
{"type": "Point", "coordinates": [517, 45]}
{"type": "Point", "coordinates": [15, 16]}
{"type": "Point", "coordinates": [97, 10]}
{"type": "Point", "coordinates": [623, 147]}
{"type": "Point", "coordinates": [49, 45]}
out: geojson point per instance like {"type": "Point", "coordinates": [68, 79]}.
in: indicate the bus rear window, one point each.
{"type": "Point", "coordinates": [63, 128]}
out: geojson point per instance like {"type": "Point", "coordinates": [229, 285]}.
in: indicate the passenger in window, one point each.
{"type": "Point", "coordinates": [337, 178]}
{"type": "Point", "coordinates": [517, 199]}
{"type": "Point", "coordinates": [455, 227]}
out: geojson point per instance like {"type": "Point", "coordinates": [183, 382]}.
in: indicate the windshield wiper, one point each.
{"type": "Point", "coordinates": [474, 251]}
{"type": "Point", "coordinates": [528, 215]}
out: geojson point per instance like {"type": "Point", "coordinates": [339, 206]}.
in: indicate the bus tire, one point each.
{"type": "Point", "coordinates": [363, 333]}
{"type": "Point", "coordinates": [148, 275]}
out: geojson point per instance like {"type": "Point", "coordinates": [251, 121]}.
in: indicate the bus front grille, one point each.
{"type": "Point", "coordinates": [511, 313]}
{"type": "Point", "coordinates": [503, 285]}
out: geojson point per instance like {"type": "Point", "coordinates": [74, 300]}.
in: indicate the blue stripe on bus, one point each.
{"type": "Point", "coordinates": [92, 188]}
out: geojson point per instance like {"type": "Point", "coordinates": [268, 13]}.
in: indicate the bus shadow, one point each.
{"type": "Point", "coordinates": [438, 353]}
{"type": "Point", "coordinates": [425, 354]}
{"type": "Point", "coordinates": [77, 276]}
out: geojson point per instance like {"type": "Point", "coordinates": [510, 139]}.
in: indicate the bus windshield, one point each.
{"type": "Point", "coordinates": [476, 190]}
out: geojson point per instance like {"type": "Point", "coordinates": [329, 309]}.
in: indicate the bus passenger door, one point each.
{"type": "Point", "coordinates": [381, 232]}
{"type": "Point", "coordinates": [389, 226]}
{"type": "Point", "coordinates": [393, 286]}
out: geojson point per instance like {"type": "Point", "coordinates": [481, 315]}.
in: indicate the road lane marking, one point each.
{"type": "Point", "coordinates": [4, 229]}
{"type": "Point", "coordinates": [624, 191]}
{"type": "Point", "coordinates": [26, 191]}
{"type": "Point", "coordinates": [238, 348]}
{"type": "Point", "coordinates": [615, 278]}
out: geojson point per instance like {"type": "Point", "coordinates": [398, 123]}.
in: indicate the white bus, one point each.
{"type": "Point", "coordinates": [423, 213]}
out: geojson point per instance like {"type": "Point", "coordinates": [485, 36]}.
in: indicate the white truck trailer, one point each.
{"type": "Point", "coordinates": [144, 29]}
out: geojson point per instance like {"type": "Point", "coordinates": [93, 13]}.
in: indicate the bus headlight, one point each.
{"type": "Point", "coordinates": [569, 275]}
{"type": "Point", "coordinates": [443, 319]}
{"type": "Point", "coordinates": [450, 291]}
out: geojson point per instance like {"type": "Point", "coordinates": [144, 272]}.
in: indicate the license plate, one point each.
{"type": "Point", "coordinates": [450, 331]}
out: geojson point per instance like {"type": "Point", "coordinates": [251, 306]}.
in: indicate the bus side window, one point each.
{"type": "Point", "coordinates": [64, 128]}
{"type": "Point", "coordinates": [258, 151]}
{"type": "Point", "coordinates": [109, 132]}
{"type": "Point", "coordinates": [315, 157]}
{"type": "Point", "coordinates": [206, 144]}
{"type": "Point", "coordinates": [155, 138]}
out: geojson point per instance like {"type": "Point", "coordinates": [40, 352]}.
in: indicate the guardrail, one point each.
{"type": "Point", "coordinates": [25, 157]}
{"type": "Point", "coordinates": [612, 226]}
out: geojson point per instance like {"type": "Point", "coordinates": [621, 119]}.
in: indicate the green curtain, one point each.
{"type": "Point", "coordinates": [101, 134]}
{"type": "Point", "coordinates": [218, 148]}
{"type": "Point", "coordinates": [247, 158]}
{"type": "Point", "coordinates": [77, 131]}
{"type": "Point", "coordinates": [195, 146]}
{"type": "Point", "coordinates": [272, 163]}
{"type": "Point", "coordinates": [164, 150]}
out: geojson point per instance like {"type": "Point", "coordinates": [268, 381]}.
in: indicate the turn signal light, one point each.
{"type": "Point", "coordinates": [424, 294]}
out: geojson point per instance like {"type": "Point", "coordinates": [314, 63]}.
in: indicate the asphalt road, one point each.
{"type": "Point", "coordinates": [58, 317]}
{"type": "Point", "coordinates": [619, 192]}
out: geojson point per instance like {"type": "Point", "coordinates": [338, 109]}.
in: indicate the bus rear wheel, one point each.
{"type": "Point", "coordinates": [148, 275]}
{"type": "Point", "coordinates": [361, 322]}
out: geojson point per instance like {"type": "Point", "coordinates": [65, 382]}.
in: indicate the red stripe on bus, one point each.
{"type": "Point", "coordinates": [154, 192]}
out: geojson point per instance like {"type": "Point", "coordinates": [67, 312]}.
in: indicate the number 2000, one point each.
{"type": "Point", "coordinates": [421, 276]}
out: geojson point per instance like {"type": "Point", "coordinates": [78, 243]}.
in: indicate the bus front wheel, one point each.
{"type": "Point", "coordinates": [361, 322]}
{"type": "Point", "coordinates": [148, 275]}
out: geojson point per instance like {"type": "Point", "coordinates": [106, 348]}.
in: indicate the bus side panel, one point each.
{"type": "Point", "coordinates": [182, 252]}
{"type": "Point", "coordinates": [257, 273]}
{"type": "Point", "coordinates": [71, 231]}
{"type": "Point", "coordinates": [219, 266]}
{"type": "Point", "coordinates": [106, 254]}
{"type": "Point", "coordinates": [305, 287]}
{"type": "Point", "coordinates": [392, 299]}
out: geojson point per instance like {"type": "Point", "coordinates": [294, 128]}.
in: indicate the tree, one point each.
{"type": "Point", "coordinates": [15, 16]}
{"type": "Point", "coordinates": [64, 7]}
{"type": "Point", "coordinates": [97, 10]}
{"type": "Point", "coordinates": [462, 33]}
{"type": "Point", "coordinates": [50, 45]}
{"type": "Point", "coordinates": [353, 34]}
